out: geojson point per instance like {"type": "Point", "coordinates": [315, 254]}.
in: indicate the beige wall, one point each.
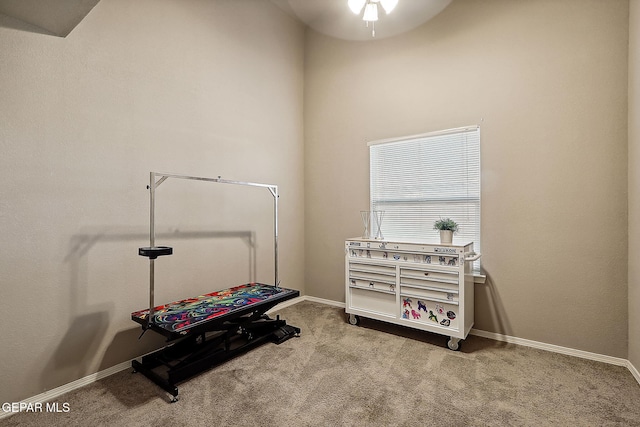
{"type": "Point", "coordinates": [216, 88]}
{"type": "Point", "coordinates": [634, 183]}
{"type": "Point", "coordinates": [204, 88]}
{"type": "Point", "coordinates": [547, 82]}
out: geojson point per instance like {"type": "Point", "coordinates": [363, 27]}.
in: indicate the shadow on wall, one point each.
{"type": "Point", "coordinates": [57, 18]}
{"type": "Point", "coordinates": [493, 317]}
{"type": "Point", "coordinates": [72, 356]}
{"type": "Point", "coordinates": [82, 243]}
{"type": "Point", "coordinates": [122, 343]}
{"type": "Point", "coordinates": [89, 322]}
{"type": "Point", "coordinates": [140, 389]}
{"type": "Point", "coordinates": [16, 24]}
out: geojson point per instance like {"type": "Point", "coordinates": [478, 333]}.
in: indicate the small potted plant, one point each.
{"type": "Point", "coordinates": [446, 227]}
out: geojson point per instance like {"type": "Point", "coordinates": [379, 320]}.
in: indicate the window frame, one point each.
{"type": "Point", "coordinates": [413, 139]}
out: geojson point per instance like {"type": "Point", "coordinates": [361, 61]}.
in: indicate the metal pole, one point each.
{"type": "Point", "coordinates": [152, 243]}
{"type": "Point", "coordinates": [275, 227]}
{"type": "Point", "coordinates": [152, 209]}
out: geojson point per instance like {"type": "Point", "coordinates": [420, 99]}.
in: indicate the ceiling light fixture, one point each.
{"type": "Point", "coordinates": [371, 10]}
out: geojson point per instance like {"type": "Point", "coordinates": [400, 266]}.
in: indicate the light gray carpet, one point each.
{"type": "Point", "coordinates": [376, 374]}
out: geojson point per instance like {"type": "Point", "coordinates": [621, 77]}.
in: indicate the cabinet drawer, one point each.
{"type": "Point", "coordinates": [372, 254]}
{"type": "Point", "coordinates": [361, 275]}
{"type": "Point", "coordinates": [377, 302]}
{"type": "Point", "coordinates": [419, 283]}
{"type": "Point", "coordinates": [373, 268]}
{"type": "Point", "coordinates": [372, 284]}
{"type": "Point", "coordinates": [425, 311]}
{"type": "Point", "coordinates": [436, 294]}
{"type": "Point", "coordinates": [430, 275]}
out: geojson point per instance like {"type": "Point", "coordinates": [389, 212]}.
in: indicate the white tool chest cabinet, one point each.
{"type": "Point", "coordinates": [420, 285]}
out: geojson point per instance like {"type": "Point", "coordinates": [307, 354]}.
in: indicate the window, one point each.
{"type": "Point", "coordinates": [419, 179]}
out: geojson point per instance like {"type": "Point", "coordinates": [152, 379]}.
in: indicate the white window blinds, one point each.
{"type": "Point", "coordinates": [417, 180]}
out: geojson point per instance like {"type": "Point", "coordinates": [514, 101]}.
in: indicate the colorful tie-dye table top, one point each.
{"type": "Point", "coordinates": [180, 316]}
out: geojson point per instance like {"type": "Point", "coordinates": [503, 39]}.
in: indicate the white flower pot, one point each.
{"type": "Point", "coordinates": [446, 237]}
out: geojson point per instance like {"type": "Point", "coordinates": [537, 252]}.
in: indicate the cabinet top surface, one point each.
{"type": "Point", "coordinates": [455, 244]}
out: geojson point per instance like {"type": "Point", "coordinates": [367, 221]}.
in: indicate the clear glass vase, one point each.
{"type": "Point", "coordinates": [366, 222]}
{"type": "Point", "coordinates": [377, 224]}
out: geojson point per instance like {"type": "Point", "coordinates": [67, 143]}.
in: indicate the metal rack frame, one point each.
{"type": "Point", "coordinates": [157, 178]}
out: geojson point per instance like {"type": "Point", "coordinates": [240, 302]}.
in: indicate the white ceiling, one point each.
{"type": "Point", "coordinates": [330, 17]}
{"type": "Point", "coordinates": [335, 19]}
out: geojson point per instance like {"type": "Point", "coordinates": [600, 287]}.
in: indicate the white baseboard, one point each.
{"type": "Point", "coordinates": [286, 304]}
{"type": "Point", "coordinates": [325, 301]}
{"type": "Point", "coordinates": [551, 347]}
{"type": "Point", "coordinates": [49, 395]}
{"type": "Point", "coordinates": [59, 391]}
{"type": "Point", "coordinates": [633, 370]}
